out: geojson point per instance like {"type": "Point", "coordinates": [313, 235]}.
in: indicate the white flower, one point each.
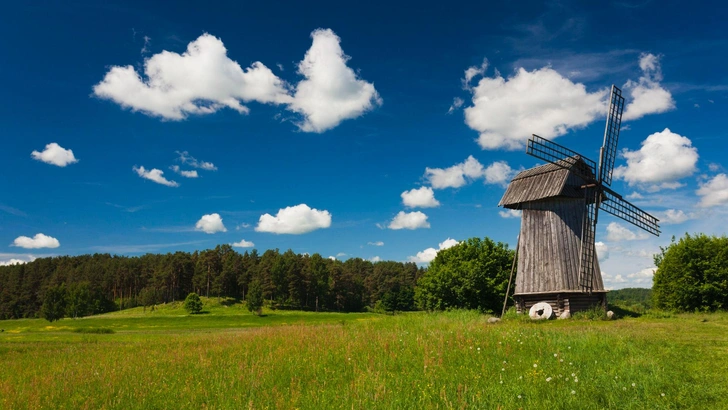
{"type": "Point", "coordinates": [535, 365]}
{"type": "Point", "coordinates": [573, 374]}
{"type": "Point", "coordinates": [503, 369]}
{"type": "Point", "coordinates": [632, 384]}
{"type": "Point", "coordinates": [662, 394]}
{"type": "Point", "coordinates": [573, 392]}
{"type": "Point", "coordinates": [561, 360]}
{"type": "Point", "coordinates": [556, 354]}
{"type": "Point", "coordinates": [519, 396]}
{"type": "Point", "coordinates": [548, 379]}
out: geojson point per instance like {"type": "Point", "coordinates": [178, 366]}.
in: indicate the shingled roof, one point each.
{"type": "Point", "coordinates": [547, 181]}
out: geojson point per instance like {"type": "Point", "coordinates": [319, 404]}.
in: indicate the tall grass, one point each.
{"type": "Point", "coordinates": [445, 360]}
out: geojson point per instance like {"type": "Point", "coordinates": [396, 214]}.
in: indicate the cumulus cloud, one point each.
{"type": "Point", "coordinates": [714, 192]}
{"type": "Point", "coordinates": [186, 158]}
{"type": "Point", "coordinates": [420, 198]}
{"type": "Point", "coordinates": [243, 244]}
{"type": "Point", "coordinates": [673, 216]}
{"type": "Point", "coordinates": [186, 174]}
{"type": "Point", "coordinates": [375, 259]}
{"type": "Point", "coordinates": [617, 232]}
{"type": "Point", "coordinates": [377, 243]}
{"type": "Point", "coordinates": [456, 175]}
{"type": "Point", "coordinates": [409, 220]}
{"type": "Point", "coordinates": [331, 91]}
{"type": "Point", "coordinates": [211, 223]}
{"type": "Point", "coordinates": [295, 220]}
{"type": "Point", "coordinates": [155, 175]}
{"type": "Point", "coordinates": [38, 241]}
{"type": "Point", "coordinates": [506, 111]}
{"type": "Point", "coordinates": [202, 80]}
{"type": "Point", "coordinates": [510, 213]}
{"type": "Point", "coordinates": [429, 254]}
{"type": "Point", "coordinates": [54, 154]}
{"type": "Point", "coordinates": [664, 158]}
{"type": "Point", "coordinates": [499, 173]}
{"type": "Point", "coordinates": [602, 251]}
{"type": "Point", "coordinates": [642, 277]}
{"type": "Point", "coordinates": [648, 96]}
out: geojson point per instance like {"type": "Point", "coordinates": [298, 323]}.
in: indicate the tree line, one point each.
{"type": "Point", "coordinates": [91, 284]}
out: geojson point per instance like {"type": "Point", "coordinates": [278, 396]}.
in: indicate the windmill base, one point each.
{"type": "Point", "coordinates": [562, 301]}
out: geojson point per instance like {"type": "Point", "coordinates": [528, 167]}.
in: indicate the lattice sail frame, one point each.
{"type": "Point", "coordinates": [611, 136]}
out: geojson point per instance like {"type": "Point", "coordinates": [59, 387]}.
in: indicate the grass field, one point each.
{"type": "Point", "coordinates": [230, 359]}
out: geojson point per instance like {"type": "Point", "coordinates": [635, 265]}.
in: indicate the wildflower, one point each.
{"type": "Point", "coordinates": [519, 396]}
{"type": "Point", "coordinates": [573, 374]}
{"type": "Point", "coordinates": [561, 360]}
{"type": "Point", "coordinates": [567, 379]}
{"type": "Point", "coordinates": [624, 388]}
{"type": "Point", "coordinates": [548, 379]}
{"type": "Point", "coordinates": [569, 347]}
{"type": "Point", "coordinates": [571, 363]}
{"type": "Point", "coordinates": [573, 392]}
{"type": "Point", "coordinates": [662, 394]}
{"type": "Point", "coordinates": [576, 380]}
{"type": "Point", "coordinates": [632, 384]}
{"type": "Point", "coordinates": [478, 349]}
{"type": "Point", "coordinates": [535, 365]}
{"type": "Point", "coordinates": [501, 382]}
{"type": "Point", "coordinates": [556, 354]}
{"type": "Point", "coordinates": [520, 377]}
{"type": "Point", "coordinates": [503, 369]}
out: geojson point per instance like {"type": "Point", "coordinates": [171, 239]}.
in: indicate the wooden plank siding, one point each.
{"type": "Point", "coordinates": [550, 245]}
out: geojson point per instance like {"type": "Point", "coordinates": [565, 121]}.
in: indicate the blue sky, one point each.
{"type": "Point", "coordinates": [305, 125]}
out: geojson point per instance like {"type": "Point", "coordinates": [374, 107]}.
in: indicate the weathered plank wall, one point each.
{"type": "Point", "coordinates": [549, 249]}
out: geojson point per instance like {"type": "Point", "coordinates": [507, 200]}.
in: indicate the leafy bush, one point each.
{"type": "Point", "coordinates": [255, 297]}
{"type": "Point", "coordinates": [471, 275]}
{"type": "Point", "coordinates": [193, 304]}
{"type": "Point", "coordinates": [692, 274]}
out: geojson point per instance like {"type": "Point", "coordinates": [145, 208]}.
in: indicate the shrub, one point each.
{"type": "Point", "coordinates": [193, 304]}
{"type": "Point", "coordinates": [255, 297]}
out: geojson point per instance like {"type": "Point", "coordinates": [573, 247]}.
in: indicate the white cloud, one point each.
{"type": "Point", "coordinates": [617, 232]}
{"type": "Point", "coordinates": [210, 223]}
{"type": "Point", "coordinates": [642, 277]}
{"type": "Point", "coordinates": [375, 259]}
{"type": "Point", "coordinates": [648, 96]}
{"type": "Point", "coordinates": [243, 244]}
{"type": "Point", "coordinates": [474, 71]}
{"type": "Point", "coordinates": [186, 158]}
{"type": "Point", "coordinates": [202, 80]}
{"type": "Point", "coordinates": [331, 91]}
{"type": "Point", "coordinates": [377, 243]}
{"type": "Point", "coordinates": [420, 198]}
{"type": "Point", "coordinates": [38, 241]}
{"type": "Point", "coordinates": [186, 174]}
{"type": "Point", "coordinates": [333, 258]}
{"type": "Point", "coordinates": [295, 220]}
{"type": "Point", "coordinates": [663, 159]}
{"type": "Point", "coordinates": [155, 175]}
{"type": "Point", "coordinates": [455, 176]}
{"type": "Point", "coordinates": [510, 213]}
{"type": "Point", "coordinates": [456, 104]}
{"type": "Point", "coordinates": [55, 154]}
{"type": "Point", "coordinates": [409, 220]}
{"type": "Point", "coordinates": [340, 254]}
{"type": "Point", "coordinates": [499, 173]}
{"type": "Point", "coordinates": [12, 262]}
{"type": "Point", "coordinates": [673, 216]}
{"type": "Point", "coordinates": [429, 254]}
{"type": "Point", "coordinates": [635, 195]}
{"type": "Point", "coordinates": [713, 167]}
{"type": "Point", "coordinates": [602, 251]}
{"type": "Point", "coordinates": [714, 192]}
{"type": "Point", "coordinates": [507, 111]}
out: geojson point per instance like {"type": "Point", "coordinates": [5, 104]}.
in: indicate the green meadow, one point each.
{"type": "Point", "coordinates": [227, 358]}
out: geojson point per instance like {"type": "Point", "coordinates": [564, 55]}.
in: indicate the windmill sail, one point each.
{"type": "Point", "coordinates": [559, 155]}
{"type": "Point", "coordinates": [611, 136]}
{"type": "Point", "coordinates": [619, 207]}
{"type": "Point", "coordinates": [587, 270]}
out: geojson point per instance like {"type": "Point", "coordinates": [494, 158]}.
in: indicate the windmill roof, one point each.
{"type": "Point", "coordinates": [547, 181]}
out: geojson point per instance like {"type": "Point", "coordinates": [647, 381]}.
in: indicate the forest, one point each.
{"type": "Point", "coordinates": [92, 284]}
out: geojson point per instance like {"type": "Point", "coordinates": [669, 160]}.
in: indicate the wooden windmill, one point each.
{"type": "Point", "coordinates": [557, 261]}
